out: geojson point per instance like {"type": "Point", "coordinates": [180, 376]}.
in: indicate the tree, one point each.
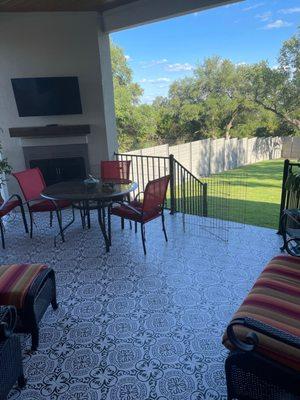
{"type": "Point", "coordinates": [127, 95]}
{"type": "Point", "coordinates": [207, 104]}
{"type": "Point", "coordinates": [278, 89]}
{"type": "Point", "coordinates": [222, 84]}
{"type": "Point", "coordinates": [223, 99]}
{"type": "Point", "coordinates": [5, 168]}
{"type": "Point", "coordinates": [220, 99]}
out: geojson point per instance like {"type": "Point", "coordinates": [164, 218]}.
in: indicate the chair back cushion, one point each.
{"type": "Point", "coordinates": [31, 182]}
{"type": "Point", "coordinates": [15, 281]}
{"type": "Point", "coordinates": [155, 194]}
{"type": "Point", "coordinates": [115, 170]}
{"type": "Point", "coordinates": [275, 301]}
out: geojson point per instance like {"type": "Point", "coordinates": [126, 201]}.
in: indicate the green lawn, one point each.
{"type": "Point", "coordinates": [255, 193]}
{"type": "Point", "coordinates": [253, 197]}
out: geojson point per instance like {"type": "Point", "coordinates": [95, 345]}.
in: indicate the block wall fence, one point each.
{"type": "Point", "coordinates": [211, 156]}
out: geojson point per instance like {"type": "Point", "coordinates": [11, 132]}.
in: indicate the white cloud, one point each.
{"type": "Point", "coordinates": [253, 7]}
{"type": "Point", "coordinates": [162, 80]}
{"type": "Point", "coordinates": [279, 23]}
{"type": "Point", "coordinates": [290, 10]}
{"type": "Point", "coordinates": [179, 67]}
{"type": "Point", "coordinates": [127, 57]}
{"type": "Point", "coordinates": [264, 16]}
{"type": "Point", "coordinates": [155, 81]}
{"type": "Point", "coordinates": [148, 99]}
{"type": "Point", "coordinates": [152, 63]}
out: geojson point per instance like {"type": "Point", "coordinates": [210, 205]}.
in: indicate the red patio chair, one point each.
{"type": "Point", "coordinates": [32, 184]}
{"type": "Point", "coordinates": [6, 207]}
{"type": "Point", "coordinates": [115, 170]}
{"type": "Point", "coordinates": [150, 208]}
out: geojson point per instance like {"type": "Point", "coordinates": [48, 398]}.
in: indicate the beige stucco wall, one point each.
{"type": "Point", "coordinates": [54, 44]}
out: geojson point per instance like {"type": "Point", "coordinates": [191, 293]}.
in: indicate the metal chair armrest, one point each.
{"type": "Point", "coordinates": [138, 195]}
{"type": "Point", "coordinates": [9, 199]}
{"type": "Point", "coordinates": [41, 199]}
{"type": "Point", "coordinates": [31, 200]}
{"type": "Point", "coordinates": [259, 327]}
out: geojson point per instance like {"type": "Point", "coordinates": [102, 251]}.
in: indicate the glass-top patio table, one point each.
{"type": "Point", "coordinates": [97, 196]}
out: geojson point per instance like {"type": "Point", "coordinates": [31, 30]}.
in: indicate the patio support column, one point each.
{"type": "Point", "coordinates": [107, 90]}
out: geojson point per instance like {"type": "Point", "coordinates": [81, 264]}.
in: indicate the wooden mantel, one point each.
{"type": "Point", "coordinates": [50, 131]}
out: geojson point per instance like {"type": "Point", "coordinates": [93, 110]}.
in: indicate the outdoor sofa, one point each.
{"type": "Point", "coordinates": [264, 336]}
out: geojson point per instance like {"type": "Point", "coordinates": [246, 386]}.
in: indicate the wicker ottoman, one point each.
{"type": "Point", "coordinates": [30, 288]}
{"type": "Point", "coordinates": [11, 368]}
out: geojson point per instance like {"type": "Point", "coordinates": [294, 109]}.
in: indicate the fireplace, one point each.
{"type": "Point", "coordinates": [57, 170]}
{"type": "Point", "coordinates": [58, 163]}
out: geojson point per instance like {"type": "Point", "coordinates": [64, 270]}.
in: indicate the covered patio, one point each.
{"type": "Point", "coordinates": [136, 327]}
{"type": "Point", "coordinates": [129, 326]}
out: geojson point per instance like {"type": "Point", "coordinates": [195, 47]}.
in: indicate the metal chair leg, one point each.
{"type": "Point", "coordinates": [59, 218]}
{"type": "Point", "coordinates": [51, 219]}
{"type": "Point", "coordinates": [163, 226]}
{"type": "Point", "coordinates": [103, 228]}
{"type": "Point", "coordinates": [21, 381]}
{"type": "Point", "coordinates": [82, 216]}
{"type": "Point", "coordinates": [54, 298]}
{"type": "Point", "coordinates": [128, 199]}
{"type": "Point", "coordinates": [88, 218]}
{"type": "Point", "coordinates": [2, 233]}
{"type": "Point", "coordinates": [109, 224]}
{"type": "Point", "coordinates": [135, 227]}
{"type": "Point", "coordinates": [31, 224]}
{"type": "Point", "coordinates": [143, 238]}
{"type": "Point", "coordinates": [122, 223]}
{"type": "Point", "coordinates": [24, 218]}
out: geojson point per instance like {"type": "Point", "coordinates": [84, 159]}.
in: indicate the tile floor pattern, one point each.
{"type": "Point", "coordinates": [131, 327]}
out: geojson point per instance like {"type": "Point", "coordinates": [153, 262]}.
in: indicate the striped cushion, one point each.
{"type": "Point", "coordinates": [15, 281]}
{"type": "Point", "coordinates": [275, 300]}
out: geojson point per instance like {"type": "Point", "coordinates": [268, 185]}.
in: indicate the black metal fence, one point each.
{"type": "Point", "coordinates": [289, 198]}
{"type": "Point", "coordinates": [186, 194]}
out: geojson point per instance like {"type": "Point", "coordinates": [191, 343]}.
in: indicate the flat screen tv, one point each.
{"type": "Point", "coordinates": [47, 96]}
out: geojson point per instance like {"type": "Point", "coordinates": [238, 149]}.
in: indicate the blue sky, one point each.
{"type": "Point", "coordinates": [244, 32]}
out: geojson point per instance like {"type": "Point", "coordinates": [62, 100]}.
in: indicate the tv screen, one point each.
{"type": "Point", "coordinates": [47, 96]}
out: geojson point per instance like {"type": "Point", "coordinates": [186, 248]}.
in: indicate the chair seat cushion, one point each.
{"type": "Point", "coordinates": [125, 212]}
{"type": "Point", "coordinates": [8, 206]}
{"type": "Point", "coordinates": [274, 300]}
{"type": "Point", "coordinates": [47, 205]}
{"type": "Point", "coordinates": [15, 281]}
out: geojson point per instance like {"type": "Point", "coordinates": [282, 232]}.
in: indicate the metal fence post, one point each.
{"type": "Point", "coordinates": [204, 199]}
{"type": "Point", "coordinates": [283, 192]}
{"type": "Point", "coordinates": [172, 183]}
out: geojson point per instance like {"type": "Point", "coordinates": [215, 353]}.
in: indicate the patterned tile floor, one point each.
{"type": "Point", "coordinates": [131, 327]}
